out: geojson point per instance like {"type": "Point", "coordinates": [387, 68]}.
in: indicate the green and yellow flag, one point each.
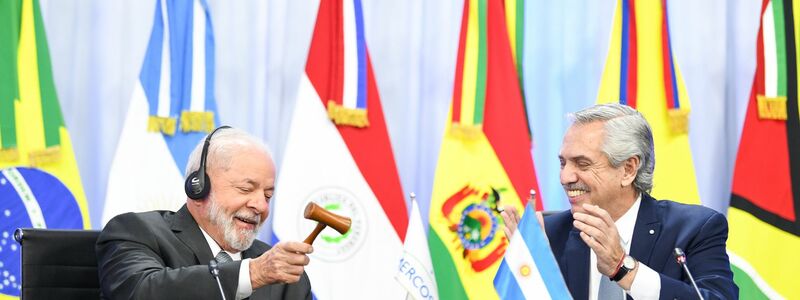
{"type": "Point", "coordinates": [641, 72]}
{"type": "Point", "coordinates": [764, 229]}
{"type": "Point", "coordinates": [485, 158]}
{"type": "Point", "coordinates": [39, 182]}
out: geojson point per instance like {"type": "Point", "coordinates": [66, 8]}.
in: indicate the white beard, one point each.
{"type": "Point", "coordinates": [237, 239]}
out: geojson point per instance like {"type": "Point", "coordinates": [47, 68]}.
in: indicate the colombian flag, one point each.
{"type": "Point", "coordinates": [40, 186]}
{"type": "Point", "coordinates": [764, 229]}
{"type": "Point", "coordinates": [641, 72]}
{"type": "Point", "coordinates": [485, 158]}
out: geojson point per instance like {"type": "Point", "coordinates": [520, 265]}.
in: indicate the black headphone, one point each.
{"type": "Point", "coordinates": [196, 186]}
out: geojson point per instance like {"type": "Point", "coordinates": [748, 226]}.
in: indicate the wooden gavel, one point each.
{"type": "Point", "coordinates": [324, 218]}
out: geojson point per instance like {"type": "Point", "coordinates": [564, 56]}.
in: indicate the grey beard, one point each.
{"type": "Point", "coordinates": [237, 239]}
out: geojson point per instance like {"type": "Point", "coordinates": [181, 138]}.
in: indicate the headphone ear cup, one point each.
{"type": "Point", "coordinates": [194, 189]}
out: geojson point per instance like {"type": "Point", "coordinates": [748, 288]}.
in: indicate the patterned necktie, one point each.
{"type": "Point", "coordinates": [223, 257]}
{"type": "Point", "coordinates": [609, 290]}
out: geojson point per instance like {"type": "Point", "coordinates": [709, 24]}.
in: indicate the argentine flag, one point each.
{"type": "Point", "coordinates": [529, 270]}
{"type": "Point", "coordinates": [171, 109]}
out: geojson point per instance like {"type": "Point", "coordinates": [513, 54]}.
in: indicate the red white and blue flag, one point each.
{"type": "Point", "coordinates": [339, 155]}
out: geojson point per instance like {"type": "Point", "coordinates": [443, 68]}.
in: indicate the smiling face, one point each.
{"type": "Point", "coordinates": [239, 201]}
{"type": "Point", "coordinates": [586, 174]}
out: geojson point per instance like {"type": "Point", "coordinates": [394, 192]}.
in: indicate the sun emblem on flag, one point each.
{"type": "Point", "coordinates": [525, 270]}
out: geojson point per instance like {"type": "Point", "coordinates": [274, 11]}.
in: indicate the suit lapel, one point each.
{"type": "Point", "coordinates": [646, 231]}
{"type": "Point", "coordinates": [187, 230]}
{"type": "Point", "coordinates": [576, 256]}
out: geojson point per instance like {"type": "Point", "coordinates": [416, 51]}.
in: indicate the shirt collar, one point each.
{"type": "Point", "coordinates": [215, 248]}
{"type": "Point", "coordinates": [627, 222]}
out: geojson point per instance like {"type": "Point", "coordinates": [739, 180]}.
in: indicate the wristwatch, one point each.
{"type": "Point", "coordinates": [627, 264]}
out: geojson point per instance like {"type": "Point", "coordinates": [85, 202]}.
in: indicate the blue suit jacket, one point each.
{"type": "Point", "coordinates": [700, 231]}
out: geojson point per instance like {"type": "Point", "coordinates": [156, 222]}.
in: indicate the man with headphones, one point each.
{"type": "Point", "coordinates": [207, 249]}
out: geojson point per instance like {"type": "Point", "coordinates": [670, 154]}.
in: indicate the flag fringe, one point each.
{"type": "Point", "coordinates": [347, 116]}
{"type": "Point", "coordinates": [161, 124]}
{"type": "Point", "coordinates": [772, 108]}
{"type": "Point", "coordinates": [9, 155]}
{"type": "Point", "coordinates": [197, 121]}
{"type": "Point", "coordinates": [678, 121]}
{"type": "Point", "coordinates": [465, 131]}
{"type": "Point", "coordinates": [45, 156]}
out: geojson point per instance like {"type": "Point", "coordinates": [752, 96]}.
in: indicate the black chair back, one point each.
{"type": "Point", "coordinates": [58, 264]}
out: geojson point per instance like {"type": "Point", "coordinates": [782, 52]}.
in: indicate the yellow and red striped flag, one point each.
{"type": "Point", "coordinates": [485, 157]}
{"type": "Point", "coordinates": [642, 73]}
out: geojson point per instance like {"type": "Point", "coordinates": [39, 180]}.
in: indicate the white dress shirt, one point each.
{"type": "Point", "coordinates": [647, 283]}
{"type": "Point", "coordinates": [245, 288]}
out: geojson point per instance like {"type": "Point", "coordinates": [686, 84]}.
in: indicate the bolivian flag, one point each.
{"type": "Point", "coordinates": [39, 182]}
{"type": "Point", "coordinates": [764, 230]}
{"type": "Point", "coordinates": [642, 73]}
{"type": "Point", "coordinates": [485, 158]}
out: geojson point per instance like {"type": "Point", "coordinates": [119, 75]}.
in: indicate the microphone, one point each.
{"type": "Point", "coordinates": [212, 267]}
{"type": "Point", "coordinates": [680, 258]}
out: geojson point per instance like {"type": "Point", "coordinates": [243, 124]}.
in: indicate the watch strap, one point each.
{"type": "Point", "coordinates": [622, 270]}
{"type": "Point", "coordinates": [620, 273]}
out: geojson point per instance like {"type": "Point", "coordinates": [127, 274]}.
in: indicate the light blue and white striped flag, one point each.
{"type": "Point", "coordinates": [171, 109]}
{"type": "Point", "coordinates": [529, 269]}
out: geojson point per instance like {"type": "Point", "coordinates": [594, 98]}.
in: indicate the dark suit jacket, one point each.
{"type": "Point", "coordinates": [164, 255]}
{"type": "Point", "coordinates": [700, 231]}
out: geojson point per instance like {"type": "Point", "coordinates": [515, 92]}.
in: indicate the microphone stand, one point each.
{"type": "Point", "coordinates": [212, 267]}
{"type": "Point", "coordinates": [680, 258]}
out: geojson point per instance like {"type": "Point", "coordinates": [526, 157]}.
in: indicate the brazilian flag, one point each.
{"type": "Point", "coordinates": [40, 186]}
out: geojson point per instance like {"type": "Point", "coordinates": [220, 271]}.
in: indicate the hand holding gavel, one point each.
{"type": "Point", "coordinates": [285, 262]}
{"type": "Point", "coordinates": [324, 218]}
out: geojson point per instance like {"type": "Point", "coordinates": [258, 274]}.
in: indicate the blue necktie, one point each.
{"type": "Point", "coordinates": [609, 290]}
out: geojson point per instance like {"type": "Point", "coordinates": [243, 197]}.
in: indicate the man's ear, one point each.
{"type": "Point", "coordinates": [629, 167]}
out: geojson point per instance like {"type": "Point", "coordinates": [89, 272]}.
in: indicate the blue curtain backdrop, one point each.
{"type": "Point", "coordinates": [97, 49]}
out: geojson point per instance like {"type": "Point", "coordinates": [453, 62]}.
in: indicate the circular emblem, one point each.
{"type": "Point", "coordinates": [525, 270]}
{"type": "Point", "coordinates": [31, 198]}
{"type": "Point", "coordinates": [330, 245]}
{"type": "Point", "coordinates": [477, 226]}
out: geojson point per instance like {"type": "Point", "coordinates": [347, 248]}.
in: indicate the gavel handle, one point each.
{"type": "Point", "coordinates": [311, 237]}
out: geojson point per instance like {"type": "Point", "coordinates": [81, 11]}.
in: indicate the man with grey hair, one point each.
{"type": "Point", "coordinates": [230, 180]}
{"type": "Point", "coordinates": [617, 239]}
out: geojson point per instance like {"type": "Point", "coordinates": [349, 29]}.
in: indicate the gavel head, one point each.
{"type": "Point", "coordinates": [323, 216]}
